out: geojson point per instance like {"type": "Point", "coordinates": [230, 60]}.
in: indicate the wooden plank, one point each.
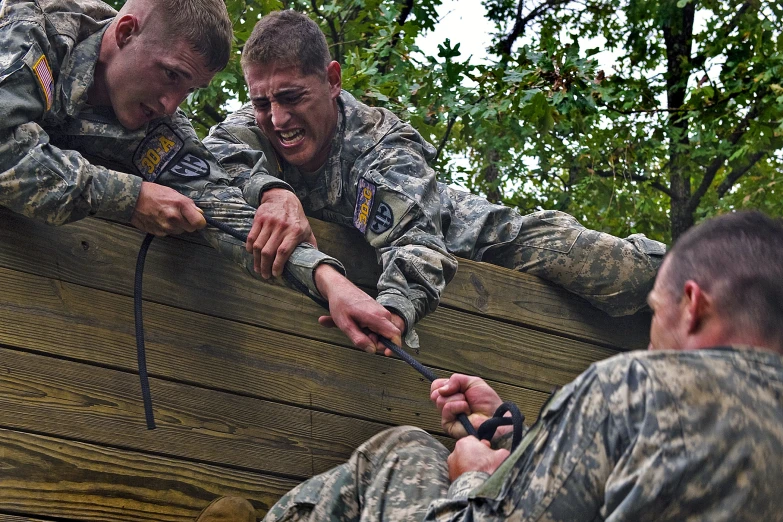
{"type": "Point", "coordinates": [499, 293]}
{"type": "Point", "coordinates": [101, 406]}
{"type": "Point", "coordinates": [51, 477]}
{"type": "Point", "coordinates": [95, 254]}
{"type": "Point", "coordinates": [105, 251]}
{"type": "Point", "coordinates": [93, 326]}
{"type": "Point", "coordinates": [14, 518]}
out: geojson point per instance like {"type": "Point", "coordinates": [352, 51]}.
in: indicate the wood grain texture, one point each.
{"type": "Point", "coordinates": [102, 406]}
{"type": "Point", "coordinates": [50, 477]}
{"type": "Point", "coordinates": [107, 253]}
{"type": "Point", "coordinates": [93, 326]}
{"type": "Point", "coordinates": [205, 283]}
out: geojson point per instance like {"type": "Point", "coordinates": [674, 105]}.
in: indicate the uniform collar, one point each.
{"type": "Point", "coordinates": [78, 75]}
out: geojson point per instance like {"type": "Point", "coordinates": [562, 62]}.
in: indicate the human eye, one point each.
{"type": "Point", "coordinates": [292, 98]}
{"type": "Point", "coordinates": [170, 75]}
{"type": "Point", "coordinates": [261, 104]}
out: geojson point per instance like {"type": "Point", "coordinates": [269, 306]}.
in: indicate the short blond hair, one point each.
{"type": "Point", "coordinates": [204, 24]}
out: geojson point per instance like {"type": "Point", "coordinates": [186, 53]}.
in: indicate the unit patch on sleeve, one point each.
{"type": "Point", "coordinates": [365, 193]}
{"type": "Point", "coordinates": [383, 219]}
{"type": "Point", "coordinates": [156, 151]}
{"type": "Point", "coordinates": [44, 74]}
{"type": "Point", "coordinates": [190, 166]}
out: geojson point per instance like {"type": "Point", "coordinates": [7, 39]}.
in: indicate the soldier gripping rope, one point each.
{"type": "Point", "coordinates": [89, 126]}
{"type": "Point", "coordinates": [688, 430]}
{"type": "Point", "coordinates": [362, 167]}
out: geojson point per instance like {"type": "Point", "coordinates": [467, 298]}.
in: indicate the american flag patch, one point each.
{"type": "Point", "coordinates": [44, 74]}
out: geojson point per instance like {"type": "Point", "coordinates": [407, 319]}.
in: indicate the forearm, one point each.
{"type": "Point", "coordinates": [58, 186]}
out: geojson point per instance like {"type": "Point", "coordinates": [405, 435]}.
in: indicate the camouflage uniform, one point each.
{"type": "Point", "coordinates": [377, 180]}
{"type": "Point", "coordinates": [642, 436]}
{"type": "Point", "coordinates": [62, 160]}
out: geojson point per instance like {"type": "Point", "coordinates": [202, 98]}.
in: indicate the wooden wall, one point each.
{"type": "Point", "coordinates": [251, 395]}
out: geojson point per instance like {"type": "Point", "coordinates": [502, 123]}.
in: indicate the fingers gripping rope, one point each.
{"type": "Point", "coordinates": [498, 420]}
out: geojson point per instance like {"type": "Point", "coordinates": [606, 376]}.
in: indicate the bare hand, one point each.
{"type": "Point", "coordinates": [358, 315]}
{"type": "Point", "coordinates": [471, 454]}
{"type": "Point", "coordinates": [162, 211]}
{"type": "Point", "coordinates": [279, 226]}
{"type": "Point", "coordinates": [463, 394]}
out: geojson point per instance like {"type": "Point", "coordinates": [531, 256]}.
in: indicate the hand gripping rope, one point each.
{"type": "Point", "coordinates": [486, 430]}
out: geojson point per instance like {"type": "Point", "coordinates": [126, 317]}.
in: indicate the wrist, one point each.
{"type": "Point", "coordinates": [325, 277]}
{"type": "Point", "coordinates": [272, 192]}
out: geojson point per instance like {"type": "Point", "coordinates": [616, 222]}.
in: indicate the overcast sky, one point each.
{"type": "Point", "coordinates": [463, 22]}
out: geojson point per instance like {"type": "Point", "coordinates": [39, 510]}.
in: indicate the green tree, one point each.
{"type": "Point", "coordinates": [688, 123]}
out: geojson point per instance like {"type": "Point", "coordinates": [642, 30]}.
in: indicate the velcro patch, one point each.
{"type": "Point", "coordinates": [383, 219]}
{"type": "Point", "coordinates": [44, 74]}
{"type": "Point", "coordinates": [190, 166]}
{"type": "Point", "coordinates": [365, 194]}
{"type": "Point", "coordinates": [156, 151]}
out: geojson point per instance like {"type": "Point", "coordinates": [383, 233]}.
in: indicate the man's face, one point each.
{"type": "Point", "coordinates": [149, 77]}
{"type": "Point", "coordinates": [668, 328]}
{"type": "Point", "coordinates": [296, 112]}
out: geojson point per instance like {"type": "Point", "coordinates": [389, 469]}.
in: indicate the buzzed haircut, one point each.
{"type": "Point", "coordinates": [288, 39]}
{"type": "Point", "coordinates": [204, 24]}
{"type": "Point", "coordinates": [738, 259]}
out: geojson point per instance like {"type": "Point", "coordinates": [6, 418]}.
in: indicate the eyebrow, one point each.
{"type": "Point", "coordinates": [185, 74]}
{"type": "Point", "coordinates": [281, 92]}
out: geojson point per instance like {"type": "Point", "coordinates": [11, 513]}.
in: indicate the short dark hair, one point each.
{"type": "Point", "coordinates": [738, 259]}
{"type": "Point", "coordinates": [288, 39]}
{"type": "Point", "coordinates": [204, 24]}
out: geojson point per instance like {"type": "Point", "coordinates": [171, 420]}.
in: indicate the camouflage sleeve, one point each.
{"type": "Point", "coordinates": [203, 180]}
{"type": "Point", "coordinates": [559, 470]}
{"type": "Point", "coordinates": [398, 210]}
{"type": "Point", "coordinates": [239, 150]}
{"type": "Point", "coordinates": [608, 445]}
{"type": "Point", "coordinates": [38, 179]}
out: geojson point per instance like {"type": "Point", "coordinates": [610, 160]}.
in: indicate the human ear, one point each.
{"type": "Point", "coordinates": [335, 78]}
{"type": "Point", "coordinates": [126, 26]}
{"type": "Point", "coordinates": [696, 305]}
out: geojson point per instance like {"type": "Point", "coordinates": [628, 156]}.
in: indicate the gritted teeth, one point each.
{"type": "Point", "coordinates": [292, 135]}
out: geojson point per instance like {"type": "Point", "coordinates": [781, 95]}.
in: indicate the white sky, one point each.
{"type": "Point", "coordinates": [462, 22]}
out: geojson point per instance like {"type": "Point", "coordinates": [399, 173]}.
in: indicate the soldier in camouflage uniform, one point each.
{"type": "Point", "coordinates": [364, 168]}
{"type": "Point", "coordinates": [89, 126]}
{"type": "Point", "coordinates": [689, 430]}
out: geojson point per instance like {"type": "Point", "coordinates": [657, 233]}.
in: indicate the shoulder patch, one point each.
{"type": "Point", "coordinates": [365, 194]}
{"type": "Point", "coordinates": [45, 79]}
{"type": "Point", "coordinates": [156, 150]}
{"type": "Point", "coordinates": [383, 219]}
{"type": "Point", "coordinates": [190, 166]}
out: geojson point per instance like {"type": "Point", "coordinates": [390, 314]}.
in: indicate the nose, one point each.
{"type": "Point", "coordinates": [279, 115]}
{"type": "Point", "coordinates": [170, 101]}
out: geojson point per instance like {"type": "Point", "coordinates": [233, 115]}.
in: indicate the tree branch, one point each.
{"type": "Point", "coordinates": [401, 19]}
{"type": "Point", "coordinates": [634, 177]}
{"type": "Point", "coordinates": [717, 163]}
{"type": "Point", "coordinates": [444, 139]}
{"type": "Point", "coordinates": [737, 173]}
{"type": "Point", "coordinates": [332, 29]}
{"type": "Point", "coordinates": [520, 22]}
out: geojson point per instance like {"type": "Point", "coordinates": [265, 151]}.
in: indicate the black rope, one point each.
{"type": "Point", "coordinates": [140, 351]}
{"type": "Point", "coordinates": [487, 429]}
{"type": "Point", "coordinates": [398, 351]}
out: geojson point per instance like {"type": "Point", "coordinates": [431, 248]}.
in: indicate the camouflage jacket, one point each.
{"type": "Point", "coordinates": [62, 160]}
{"type": "Point", "coordinates": [377, 180]}
{"type": "Point", "coordinates": [644, 436]}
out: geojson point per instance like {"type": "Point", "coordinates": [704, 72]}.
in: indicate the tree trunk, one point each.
{"type": "Point", "coordinates": [490, 173]}
{"type": "Point", "coordinates": [678, 36]}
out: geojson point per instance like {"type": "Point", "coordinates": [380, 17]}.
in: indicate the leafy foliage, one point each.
{"type": "Point", "coordinates": [686, 124]}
